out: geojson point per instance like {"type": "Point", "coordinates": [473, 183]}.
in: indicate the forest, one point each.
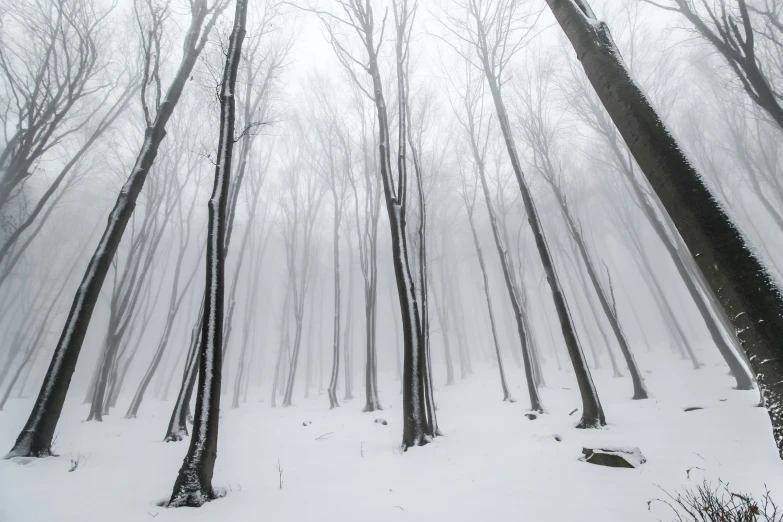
{"type": "Point", "coordinates": [391, 260]}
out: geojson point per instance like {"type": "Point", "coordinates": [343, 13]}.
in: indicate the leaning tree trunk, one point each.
{"type": "Point", "coordinates": [743, 378]}
{"type": "Point", "coordinates": [505, 263]}
{"type": "Point", "coordinates": [176, 302]}
{"type": "Point", "coordinates": [504, 385]}
{"type": "Point", "coordinates": [639, 389]}
{"type": "Point", "coordinates": [592, 412]}
{"type": "Point", "coordinates": [734, 274]}
{"type": "Point", "coordinates": [193, 486]}
{"type": "Point", "coordinates": [178, 423]}
{"type": "Point", "coordinates": [35, 440]}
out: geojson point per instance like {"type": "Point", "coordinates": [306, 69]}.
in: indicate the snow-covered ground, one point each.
{"type": "Point", "coordinates": [493, 464]}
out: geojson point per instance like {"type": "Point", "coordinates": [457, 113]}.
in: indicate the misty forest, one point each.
{"type": "Point", "coordinates": [387, 260]}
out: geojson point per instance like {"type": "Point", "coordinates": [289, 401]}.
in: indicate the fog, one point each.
{"type": "Point", "coordinates": [316, 295]}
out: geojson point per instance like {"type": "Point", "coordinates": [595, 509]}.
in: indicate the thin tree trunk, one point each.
{"type": "Point", "coordinates": [503, 383]}
{"type": "Point", "coordinates": [592, 412]}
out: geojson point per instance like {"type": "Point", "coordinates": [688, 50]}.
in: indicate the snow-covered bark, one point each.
{"type": "Point", "coordinates": [35, 439]}
{"type": "Point", "coordinates": [193, 486]}
{"type": "Point", "coordinates": [738, 279]}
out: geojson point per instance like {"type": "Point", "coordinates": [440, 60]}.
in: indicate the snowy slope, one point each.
{"type": "Point", "coordinates": [493, 463]}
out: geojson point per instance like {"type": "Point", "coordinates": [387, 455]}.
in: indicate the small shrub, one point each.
{"type": "Point", "coordinates": [709, 503]}
{"type": "Point", "coordinates": [76, 461]}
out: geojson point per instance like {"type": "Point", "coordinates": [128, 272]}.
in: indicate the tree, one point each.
{"type": "Point", "coordinates": [193, 486]}
{"type": "Point", "coordinates": [732, 27]}
{"type": "Point", "coordinates": [418, 427]}
{"type": "Point", "coordinates": [469, 198]}
{"type": "Point", "coordinates": [36, 437]}
{"type": "Point", "coordinates": [56, 65]}
{"type": "Point", "coordinates": [740, 282]}
{"type": "Point", "coordinates": [142, 253]}
{"type": "Point", "coordinates": [540, 135]}
{"type": "Point", "coordinates": [494, 30]}
{"type": "Point", "coordinates": [478, 132]}
{"type": "Point", "coordinates": [178, 291]}
{"type": "Point", "coordinates": [367, 231]}
{"type": "Point", "coordinates": [590, 112]}
{"type": "Point", "coordinates": [300, 204]}
{"type": "Point", "coordinates": [332, 140]}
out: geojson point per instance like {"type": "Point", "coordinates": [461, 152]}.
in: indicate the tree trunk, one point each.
{"type": "Point", "coordinates": [737, 278]}
{"type": "Point", "coordinates": [178, 424]}
{"type": "Point", "coordinates": [504, 385]}
{"type": "Point", "coordinates": [332, 390]}
{"type": "Point", "coordinates": [193, 486]}
{"type": "Point", "coordinates": [35, 440]}
{"type": "Point", "coordinates": [592, 412]}
{"type": "Point", "coordinates": [348, 337]}
{"type": "Point", "coordinates": [505, 263]}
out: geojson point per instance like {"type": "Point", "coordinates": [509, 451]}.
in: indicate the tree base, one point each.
{"type": "Point", "coordinates": [27, 454]}
{"type": "Point", "coordinates": [590, 424]}
{"type": "Point", "coordinates": [420, 441]}
{"type": "Point", "coordinates": [177, 436]}
{"type": "Point", "coordinates": [194, 498]}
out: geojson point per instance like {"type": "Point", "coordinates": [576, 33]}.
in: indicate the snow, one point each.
{"type": "Point", "coordinates": [492, 463]}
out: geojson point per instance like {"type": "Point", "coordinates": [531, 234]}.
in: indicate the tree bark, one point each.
{"type": "Point", "coordinates": [35, 440]}
{"type": "Point", "coordinates": [193, 486]}
{"type": "Point", "coordinates": [737, 278]}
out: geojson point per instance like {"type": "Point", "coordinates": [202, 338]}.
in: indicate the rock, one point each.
{"type": "Point", "coordinates": [614, 457]}
{"type": "Point", "coordinates": [558, 438]}
{"type": "Point", "coordinates": [380, 421]}
{"type": "Point", "coordinates": [693, 408]}
{"type": "Point", "coordinates": [531, 416]}
{"type": "Point", "coordinates": [306, 423]}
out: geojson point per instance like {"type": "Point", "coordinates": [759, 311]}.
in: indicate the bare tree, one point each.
{"type": "Point", "coordinates": [732, 27]}
{"type": "Point", "coordinates": [493, 30]}
{"type": "Point", "coordinates": [589, 110]}
{"type": "Point", "coordinates": [178, 291]}
{"type": "Point", "coordinates": [418, 427]}
{"type": "Point", "coordinates": [300, 204]}
{"type": "Point", "coordinates": [468, 194]}
{"type": "Point", "coordinates": [193, 486]}
{"type": "Point", "coordinates": [36, 437]}
{"type": "Point", "coordinates": [335, 171]}
{"type": "Point", "coordinates": [57, 80]}
{"type": "Point", "coordinates": [738, 279]}
{"type": "Point", "coordinates": [478, 133]}
{"type": "Point", "coordinates": [541, 136]}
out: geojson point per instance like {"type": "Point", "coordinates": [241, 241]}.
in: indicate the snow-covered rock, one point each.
{"type": "Point", "coordinates": [614, 457]}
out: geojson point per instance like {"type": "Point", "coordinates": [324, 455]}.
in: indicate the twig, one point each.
{"type": "Point", "coordinates": [323, 437]}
